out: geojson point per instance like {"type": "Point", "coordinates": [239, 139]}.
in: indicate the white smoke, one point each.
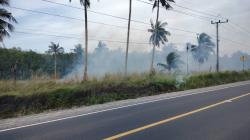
{"type": "Point", "coordinates": [105, 61]}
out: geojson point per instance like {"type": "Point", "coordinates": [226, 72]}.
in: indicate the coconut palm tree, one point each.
{"type": "Point", "coordinates": [6, 20]}
{"type": "Point", "coordinates": [78, 50]}
{"type": "Point", "coordinates": [86, 4]}
{"type": "Point", "coordinates": [55, 49]}
{"type": "Point", "coordinates": [164, 3]}
{"type": "Point", "coordinates": [203, 50]}
{"type": "Point", "coordinates": [78, 54]}
{"type": "Point", "coordinates": [158, 37]}
{"type": "Point", "coordinates": [101, 47]}
{"type": "Point", "coordinates": [172, 62]}
{"type": "Point", "coordinates": [128, 34]}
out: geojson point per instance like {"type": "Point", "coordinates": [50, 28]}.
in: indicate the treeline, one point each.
{"type": "Point", "coordinates": [15, 62]}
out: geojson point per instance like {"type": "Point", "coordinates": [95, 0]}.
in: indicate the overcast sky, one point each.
{"type": "Point", "coordinates": [237, 11]}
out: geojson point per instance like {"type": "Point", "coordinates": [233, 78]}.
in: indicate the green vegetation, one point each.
{"type": "Point", "coordinates": [33, 96]}
{"type": "Point", "coordinates": [211, 79]}
{"type": "Point", "coordinates": [28, 97]}
{"type": "Point", "coordinates": [30, 64]}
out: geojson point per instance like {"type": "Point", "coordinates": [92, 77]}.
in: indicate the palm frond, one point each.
{"type": "Point", "coordinates": [4, 2]}
{"type": "Point", "coordinates": [84, 2]}
{"type": "Point", "coordinates": [158, 33]}
{"type": "Point", "coordinates": [5, 15]}
{"type": "Point", "coordinates": [162, 65]}
{"type": "Point", "coordinates": [202, 51]}
{"type": "Point", "coordinates": [164, 3]}
{"type": "Point", "coordinates": [5, 21]}
{"type": "Point", "coordinates": [55, 49]}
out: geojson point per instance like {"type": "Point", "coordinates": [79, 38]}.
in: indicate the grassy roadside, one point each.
{"type": "Point", "coordinates": [212, 79]}
{"type": "Point", "coordinates": [28, 97]}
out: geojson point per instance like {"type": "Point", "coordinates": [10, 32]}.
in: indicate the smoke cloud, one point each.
{"type": "Point", "coordinates": [106, 61]}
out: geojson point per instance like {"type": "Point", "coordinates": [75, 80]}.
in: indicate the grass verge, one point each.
{"type": "Point", "coordinates": [28, 97]}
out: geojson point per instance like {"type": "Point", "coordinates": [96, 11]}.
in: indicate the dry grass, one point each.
{"type": "Point", "coordinates": [41, 85]}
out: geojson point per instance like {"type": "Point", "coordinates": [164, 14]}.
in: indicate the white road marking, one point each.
{"type": "Point", "coordinates": [115, 108]}
{"type": "Point", "coordinates": [228, 101]}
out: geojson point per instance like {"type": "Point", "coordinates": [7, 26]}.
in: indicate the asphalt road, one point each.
{"type": "Point", "coordinates": [216, 115]}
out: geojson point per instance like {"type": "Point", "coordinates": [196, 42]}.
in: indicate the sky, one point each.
{"type": "Point", "coordinates": [233, 37]}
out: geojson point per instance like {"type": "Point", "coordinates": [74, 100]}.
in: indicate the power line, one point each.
{"type": "Point", "coordinates": [74, 37]}
{"type": "Point", "coordinates": [92, 11]}
{"type": "Point", "coordinates": [238, 32]}
{"type": "Point", "coordinates": [66, 17]}
{"type": "Point", "coordinates": [92, 39]}
{"type": "Point", "coordinates": [185, 13]}
{"type": "Point", "coordinates": [122, 27]}
{"type": "Point", "coordinates": [196, 11]}
{"type": "Point", "coordinates": [180, 12]}
{"type": "Point", "coordinates": [70, 34]}
{"type": "Point", "coordinates": [240, 27]}
{"type": "Point", "coordinates": [190, 9]}
{"type": "Point", "coordinates": [142, 21]}
{"type": "Point", "coordinates": [75, 7]}
{"type": "Point", "coordinates": [122, 18]}
{"type": "Point", "coordinates": [233, 41]}
{"type": "Point", "coordinates": [101, 23]}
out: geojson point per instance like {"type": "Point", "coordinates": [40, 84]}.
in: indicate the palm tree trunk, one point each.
{"type": "Point", "coordinates": [152, 61]}
{"type": "Point", "coordinates": [187, 64]}
{"type": "Point", "coordinates": [153, 53]}
{"type": "Point", "coordinates": [128, 34]}
{"type": "Point", "coordinates": [199, 67]}
{"type": "Point", "coordinates": [158, 11]}
{"type": "Point", "coordinates": [55, 66]}
{"type": "Point", "coordinates": [15, 73]}
{"type": "Point", "coordinates": [85, 77]}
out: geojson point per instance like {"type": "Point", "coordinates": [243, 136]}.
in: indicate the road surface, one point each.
{"type": "Point", "coordinates": [215, 115]}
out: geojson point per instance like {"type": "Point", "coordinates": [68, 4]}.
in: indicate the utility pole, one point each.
{"type": "Point", "coordinates": [217, 42]}
{"type": "Point", "coordinates": [188, 47]}
{"type": "Point", "coordinates": [128, 37]}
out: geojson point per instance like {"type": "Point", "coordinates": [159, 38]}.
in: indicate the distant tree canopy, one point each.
{"type": "Point", "coordinates": [31, 63]}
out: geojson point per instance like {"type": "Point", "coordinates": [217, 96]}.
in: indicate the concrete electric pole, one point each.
{"type": "Point", "coordinates": [217, 42]}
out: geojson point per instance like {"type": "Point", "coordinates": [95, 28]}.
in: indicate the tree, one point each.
{"type": "Point", "coordinates": [172, 61]}
{"type": "Point", "coordinates": [128, 34]}
{"type": "Point", "coordinates": [158, 36]}
{"type": "Point", "coordinates": [86, 4]}
{"type": "Point", "coordinates": [164, 3]}
{"type": "Point", "coordinates": [189, 47]}
{"type": "Point", "coordinates": [78, 50]}
{"type": "Point", "coordinates": [78, 54]}
{"type": "Point", "coordinates": [203, 50]}
{"type": "Point", "coordinates": [6, 20]}
{"type": "Point", "coordinates": [55, 49]}
{"type": "Point", "coordinates": [101, 47]}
